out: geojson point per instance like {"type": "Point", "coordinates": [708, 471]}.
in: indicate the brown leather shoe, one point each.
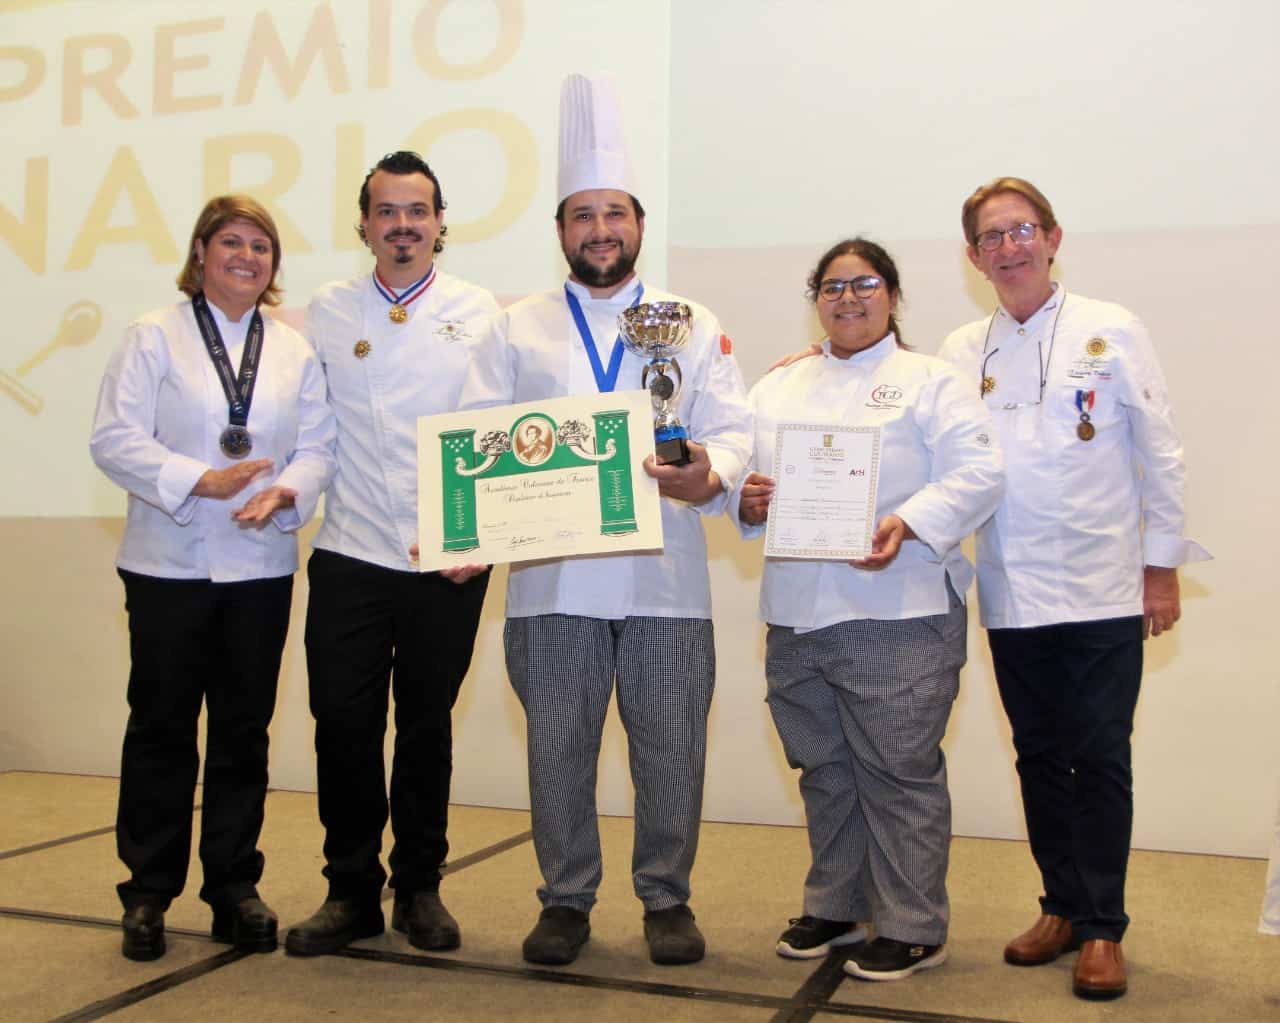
{"type": "Point", "coordinates": [1100, 970]}
{"type": "Point", "coordinates": [1047, 939]}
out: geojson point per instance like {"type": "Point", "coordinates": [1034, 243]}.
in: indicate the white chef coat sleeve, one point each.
{"type": "Point", "coordinates": [317, 325]}
{"type": "Point", "coordinates": [1269, 922]}
{"type": "Point", "coordinates": [123, 443]}
{"type": "Point", "coordinates": [1157, 450]}
{"type": "Point", "coordinates": [735, 494]}
{"type": "Point", "coordinates": [720, 418]}
{"type": "Point", "coordinates": [966, 476]}
{"type": "Point", "coordinates": [487, 309]}
{"type": "Point", "coordinates": [313, 461]}
{"type": "Point", "coordinates": [490, 379]}
{"type": "Point", "coordinates": [956, 351]}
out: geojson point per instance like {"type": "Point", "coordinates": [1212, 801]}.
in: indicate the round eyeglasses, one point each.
{"type": "Point", "coordinates": [863, 286]}
{"type": "Point", "coordinates": [1019, 234]}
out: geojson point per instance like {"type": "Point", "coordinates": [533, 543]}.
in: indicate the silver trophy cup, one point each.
{"type": "Point", "coordinates": [656, 331]}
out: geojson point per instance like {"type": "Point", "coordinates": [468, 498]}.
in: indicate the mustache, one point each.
{"type": "Point", "coordinates": [402, 232]}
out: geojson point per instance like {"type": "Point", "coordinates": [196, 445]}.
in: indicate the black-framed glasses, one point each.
{"type": "Point", "coordinates": [1019, 234]}
{"type": "Point", "coordinates": [863, 286]}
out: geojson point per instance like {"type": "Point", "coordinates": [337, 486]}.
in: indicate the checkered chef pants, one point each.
{"type": "Point", "coordinates": [562, 668]}
{"type": "Point", "coordinates": [861, 708]}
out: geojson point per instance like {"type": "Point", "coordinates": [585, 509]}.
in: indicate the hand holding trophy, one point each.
{"type": "Point", "coordinates": [656, 331]}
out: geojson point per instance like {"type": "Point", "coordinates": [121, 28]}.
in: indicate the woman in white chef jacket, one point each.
{"type": "Point", "coordinates": [213, 418]}
{"type": "Point", "coordinates": [864, 656]}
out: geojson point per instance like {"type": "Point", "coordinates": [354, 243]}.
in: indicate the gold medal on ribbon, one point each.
{"type": "Point", "coordinates": [362, 348]}
{"type": "Point", "coordinates": [988, 385]}
{"type": "Point", "coordinates": [1085, 430]}
{"type": "Point", "coordinates": [397, 313]}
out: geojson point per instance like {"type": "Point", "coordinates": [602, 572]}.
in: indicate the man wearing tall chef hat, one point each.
{"type": "Point", "coordinates": [393, 342]}
{"type": "Point", "coordinates": [578, 626]}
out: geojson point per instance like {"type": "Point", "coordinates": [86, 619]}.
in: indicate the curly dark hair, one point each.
{"type": "Point", "coordinates": [402, 161]}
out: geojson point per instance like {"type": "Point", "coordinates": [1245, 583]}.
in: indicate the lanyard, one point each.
{"type": "Point", "coordinates": [606, 379]}
{"type": "Point", "coordinates": [988, 384]}
{"type": "Point", "coordinates": [238, 389]}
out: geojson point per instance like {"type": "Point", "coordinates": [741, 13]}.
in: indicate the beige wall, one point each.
{"type": "Point", "coordinates": [1151, 126]}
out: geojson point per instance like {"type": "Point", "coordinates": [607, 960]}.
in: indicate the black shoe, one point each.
{"type": "Point", "coordinates": [334, 926]}
{"type": "Point", "coordinates": [143, 932]}
{"type": "Point", "coordinates": [887, 959]}
{"type": "Point", "coordinates": [560, 933]}
{"type": "Point", "coordinates": [428, 924]}
{"type": "Point", "coordinates": [249, 925]}
{"type": "Point", "coordinates": [673, 937]}
{"type": "Point", "coordinates": [811, 937]}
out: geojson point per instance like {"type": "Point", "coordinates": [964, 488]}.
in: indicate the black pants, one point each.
{"type": "Point", "coordinates": [1070, 692]}
{"type": "Point", "coordinates": [192, 640]}
{"type": "Point", "coordinates": [370, 630]}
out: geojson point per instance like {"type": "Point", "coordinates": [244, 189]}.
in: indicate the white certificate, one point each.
{"type": "Point", "coordinates": [543, 479]}
{"type": "Point", "coordinates": [825, 501]}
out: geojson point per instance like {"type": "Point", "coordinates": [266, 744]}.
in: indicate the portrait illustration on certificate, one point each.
{"type": "Point", "coordinates": [825, 498]}
{"type": "Point", "coordinates": [537, 480]}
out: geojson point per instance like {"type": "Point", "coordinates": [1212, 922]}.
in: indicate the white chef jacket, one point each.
{"type": "Point", "coordinates": [1080, 518]}
{"type": "Point", "coordinates": [411, 369]}
{"type": "Point", "coordinates": [1269, 921]}
{"type": "Point", "coordinates": [532, 351]}
{"type": "Point", "coordinates": [940, 472]}
{"type": "Point", "coordinates": [161, 410]}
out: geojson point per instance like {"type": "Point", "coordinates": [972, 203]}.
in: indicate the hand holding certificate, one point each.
{"type": "Point", "coordinates": [825, 499]}
{"type": "Point", "coordinates": [539, 480]}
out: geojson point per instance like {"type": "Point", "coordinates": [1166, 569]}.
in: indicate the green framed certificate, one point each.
{"type": "Point", "coordinates": [545, 479]}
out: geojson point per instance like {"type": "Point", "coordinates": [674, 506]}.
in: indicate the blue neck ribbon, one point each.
{"type": "Point", "coordinates": [606, 379]}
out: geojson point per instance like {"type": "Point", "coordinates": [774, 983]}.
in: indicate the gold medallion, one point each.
{"type": "Point", "coordinates": [398, 313]}
{"type": "Point", "coordinates": [988, 385]}
{"type": "Point", "coordinates": [362, 348]}
{"type": "Point", "coordinates": [1096, 346]}
{"type": "Point", "coordinates": [1085, 431]}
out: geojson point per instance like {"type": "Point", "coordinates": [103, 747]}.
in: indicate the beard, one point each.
{"type": "Point", "coordinates": [595, 276]}
{"type": "Point", "coordinates": [401, 241]}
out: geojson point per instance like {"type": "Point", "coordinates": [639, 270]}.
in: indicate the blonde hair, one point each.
{"type": "Point", "coordinates": [1019, 186]}
{"type": "Point", "coordinates": [218, 212]}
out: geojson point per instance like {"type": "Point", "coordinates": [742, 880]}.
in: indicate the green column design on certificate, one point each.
{"type": "Point", "coordinates": [617, 499]}
{"type": "Point", "coordinates": [459, 505]}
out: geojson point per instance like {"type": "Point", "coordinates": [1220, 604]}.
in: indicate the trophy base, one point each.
{"type": "Point", "coordinates": [674, 451]}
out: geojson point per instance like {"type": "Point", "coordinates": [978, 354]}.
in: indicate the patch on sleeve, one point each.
{"type": "Point", "coordinates": [726, 345]}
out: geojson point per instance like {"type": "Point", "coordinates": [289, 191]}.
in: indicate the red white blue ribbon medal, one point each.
{"type": "Point", "coordinates": [1084, 402]}
{"type": "Point", "coordinates": [399, 311]}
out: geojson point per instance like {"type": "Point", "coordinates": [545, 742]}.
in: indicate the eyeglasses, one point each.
{"type": "Point", "coordinates": [863, 286]}
{"type": "Point", "coordinates": [1019, 234]}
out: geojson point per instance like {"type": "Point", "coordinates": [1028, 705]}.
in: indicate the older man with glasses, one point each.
{"type": "Point", "coordinates": [1077, 567]}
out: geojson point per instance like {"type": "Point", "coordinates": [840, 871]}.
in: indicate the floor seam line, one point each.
{"type": "Point", "coordinates": [53, 843]}
{"type": "Point", "coordinates": [132, 996]}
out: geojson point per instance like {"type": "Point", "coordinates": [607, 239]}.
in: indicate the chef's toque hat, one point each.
{"type": "Point", "coordinates": [593, 146]}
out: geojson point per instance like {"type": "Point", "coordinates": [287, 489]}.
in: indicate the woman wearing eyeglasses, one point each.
{"type": "Point", "coordinates": [864, 656]}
